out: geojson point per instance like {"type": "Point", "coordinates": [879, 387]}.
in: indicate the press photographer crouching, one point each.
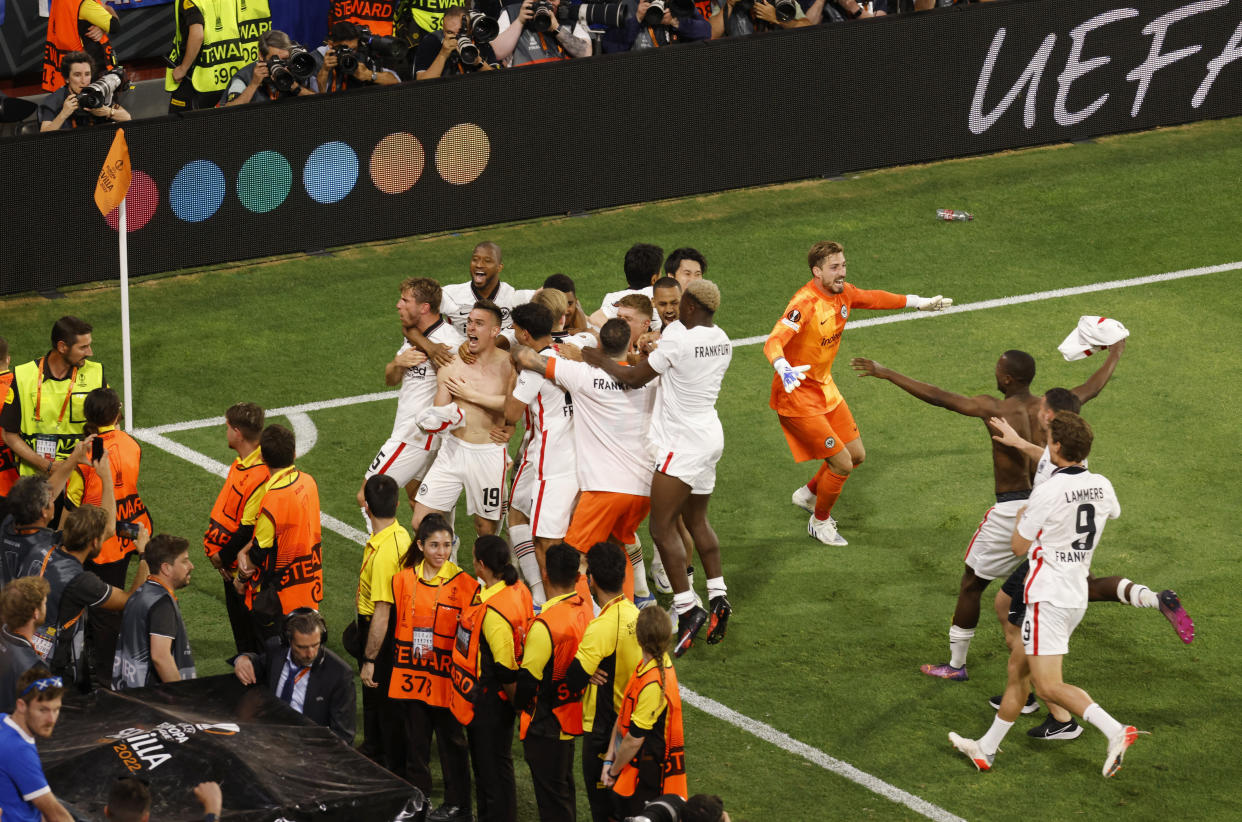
{"type": "Point", "coordinates": [284, 69]}
{"type": "Point", "coordinates": [347, 61]}
{"type": "Point", "coordinates": [464, 46]}
{"type": "Point", "coordinates": [538, 31]}
{"type": "Point", "coordinates": [81, 102]}
{"type": "Point", "coordinates": [659, 23]}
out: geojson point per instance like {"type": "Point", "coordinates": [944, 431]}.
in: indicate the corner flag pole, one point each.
{"type": "Point", "coordinates": [110, 192]}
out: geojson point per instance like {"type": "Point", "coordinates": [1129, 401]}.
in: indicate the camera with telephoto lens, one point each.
{"type": "Point", "coordinates": [542, 15]}
{"type": "Point", "coordinates": [786, 10]}
{"type": "Point", "coordinates": [348, 60]}
{"type": "Point", "coordinates": [594, 14]}
{"type": "Point", "coordinates": [665, 808]}
{"type": "Point", "coordinates": [285, 74]}
{"type": "Point", "coordinates": [381, 48]}
{"type": "Point", "coordinates": [477, 29]}
{"type": "Point", "coordinates": [101, 93]}
{"type": "Point", "coordinates": [655, 13]}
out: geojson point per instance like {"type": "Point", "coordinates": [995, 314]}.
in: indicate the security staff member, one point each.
{"type": "Point", "coordinates": [225, 536]}
{"type": "Point", "coordinates": [376, 15]}
{"type": "Point", "coordinates": [103, 410]}
{"type": "Point", "coordinates": [610, 647]}
{"type": "Point", "coordinates": [207, 50]}
{"type": "Point", "coordinates": [8, 462]}
{"type": "Point", "coordinates": [429, 595]}
{"type": "Point", "coordinates": [485, 663]}
{"type": "Point", "coordinates": [43, 418]}
{"type": "Point", "coordinates": [284, 555]}
{"type": "Point", "coordinates": [386, 548]}
{"type": "Point", "coordinates": [154, 644]}
{"type": "Point", "coordinates": [551, 712]}
{"type": "Point", "coordinates": [60, 110]}
{"type": "Point", "coordinates": [77, 25]}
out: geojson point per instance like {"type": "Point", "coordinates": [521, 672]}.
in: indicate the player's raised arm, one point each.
{"type": "Point", "coordinates": [1090, 389]}
{"type": "Point", "coordinates": [1010, 437]}
{"type": "Point", "coordinates": [978, 406]}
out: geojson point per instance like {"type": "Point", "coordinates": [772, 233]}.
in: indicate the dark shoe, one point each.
{"type": "Point", "coordinates": [719, 619]}
{"type": "Point", "coordinates": [1051, 729]}
{"type": "Point", "coordinates": [1031, 706]}
{"type": "Point", "coordinates": [450, 813]}
{"type": "Point", "coordinates": [688, 625]}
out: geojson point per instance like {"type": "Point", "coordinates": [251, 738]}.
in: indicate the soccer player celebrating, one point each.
{"type": "Point", "coordinates": [804, 342]}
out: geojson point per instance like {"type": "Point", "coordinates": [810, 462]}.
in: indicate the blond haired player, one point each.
{"type": "Point", "coordinates": [813, 414]}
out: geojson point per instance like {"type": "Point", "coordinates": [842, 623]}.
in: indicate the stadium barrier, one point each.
{"type": "Point", "coordinates": [379, 163]}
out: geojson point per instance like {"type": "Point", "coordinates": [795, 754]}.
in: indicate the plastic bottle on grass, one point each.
{"type": "Point", "coordinates": [950, 215]}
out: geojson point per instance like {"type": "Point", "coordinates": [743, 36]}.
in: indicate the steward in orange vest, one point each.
{"type": "Point", "coordinates": [377, 15]}
{"type": "Point", "coordinates": [8, 461]}
{"type": "Point", "coordinates": [67, 23]}
{"type": "Point", "coordinates": [429, 595]}
{"type": "Point", "coordinates": [650, 759]}
{"type": "Point", "coordinates": [551, 710]}
{"type": "Point", "coordinates": [485, 662]}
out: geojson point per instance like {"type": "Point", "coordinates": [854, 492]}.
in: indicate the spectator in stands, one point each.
{"type": "Point", "coordinates": [344, 38]}
{"type": "Point", "coordinates": [24, 792]}
{"type": "Point", "coordinates": [254, 83]}
{"type": "Point", "coordinates": [77, 26]}
{"type": "Point", "coordinates": [643, 32]}
{"type": "Point", "coordinates": [60, 110]}
{"type": "Point", "coordinates": [23, 605]}
{"type": "Point", "coordinates": [437, 54]}
{"type": "Point", "coordinates": [531, 35]}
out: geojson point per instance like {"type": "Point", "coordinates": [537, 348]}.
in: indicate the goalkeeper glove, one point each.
{"type": "Point", "coordinates": [791, 375]}
{"type": "Point", "coordinates": [936, 303]}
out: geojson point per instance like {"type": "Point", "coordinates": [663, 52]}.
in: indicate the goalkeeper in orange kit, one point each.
{"type": "Point", "coordinates": [803, 343]}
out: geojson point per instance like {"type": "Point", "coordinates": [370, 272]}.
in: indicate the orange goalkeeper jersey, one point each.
{"type": "Point", "coordinates": [809, 334]}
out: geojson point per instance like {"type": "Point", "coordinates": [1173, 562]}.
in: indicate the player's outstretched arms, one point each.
{"type": "Point", "coordinates": [1090, 389]}
{"type": "Point", "coordinates": [1008, 436]}
{"type": "Point", "coordinates": [936, 303]}
{"type": "Point", "coordinates": [978, 406]}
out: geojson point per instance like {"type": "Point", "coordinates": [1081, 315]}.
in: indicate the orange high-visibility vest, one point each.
{"type": "Point", "coordinates": [664, 745]}
{"type": "Point", "coordinates": [425, 617]}
{"type": "Point", "coordinates": [125, 456]}
{"type": "Point", "coordinates": [556, 707]}
{"type": "Point", "coordinates": [513, 604]}
{"type": "Point", "coordinates": [64, 36]}
{"type": "Point", "coordinates": [226, 514]}
{"type": "Point", "coordinates": [295, 564]}
{"type": "Point", "coordinates": [374, 14]}
{"type": "Point", "coordinates": [8, 460]}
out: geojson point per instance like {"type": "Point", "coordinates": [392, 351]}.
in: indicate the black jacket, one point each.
{"type": "Point", "coordinates": [330, 699]}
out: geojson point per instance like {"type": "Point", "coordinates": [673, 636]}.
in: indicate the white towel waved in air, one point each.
{"type": "Point", "coordinates": [1092, 334]}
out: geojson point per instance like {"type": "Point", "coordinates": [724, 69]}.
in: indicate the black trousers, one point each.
{"type": "Point", "coordinates": [603, 801]}
{"type": "Point", "coordinates": [491, 755]}
{"type": "Point", "coordinates": [551, 762]}
{"type": "Point", "coordinates": [383, 719]}
{"type": "Point", "coordinates": [104, 627]}
{"type": "Point", "coordinates": [245, 636]}
{"type": "Point", "coordinates": [185, 97]}
{"type": "Point", "coordinates": [421, 721]}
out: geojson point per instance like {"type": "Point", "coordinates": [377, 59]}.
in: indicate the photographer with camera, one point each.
{"type": "Point", "coordinates": [463, 47]}
{"type": "Point", "coordinates": [743, 17]}
{"type": "Point", "coordinates": [284, 69]}
{"type": "Point", "coordinates": [78, 102]}
{"type": "Point", "coordinates": [657, 23]}
{"type": "Point", "coordinates": [538, 31]}
{"type": "Point", "coordinates": [346, 63]}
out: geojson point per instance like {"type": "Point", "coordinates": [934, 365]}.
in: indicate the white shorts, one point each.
{"type": "Point", "coordinates": [520, 490]}
{"type": "Point", "coordinates": [1046, 628]}
{"type": "Point", "coordinates": [990, 553]}
{"type": "Point", "coordinates": [405, 462]}
{"type": "Point", "coordinates": [695, 468]}
{"type": "Point", "coordinates": [552, 503]}
{"type": "Point", "coordinates": [479, 468]}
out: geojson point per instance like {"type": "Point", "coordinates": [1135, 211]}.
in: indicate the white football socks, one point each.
{"type": "Point", "coordinates": [959, 645]}
{"type": "Point", "coordinates": [635, 553]}
{"type": "Point", "coordinates": [528, 564]}
{"type": "Point", "coordinates": [1140, 595]}
{"type": "Point", "coordinates": [990, 741]}
{"type": "Point", "coordinates": [716, 588]}
{"type": "Point", "coordinates": [1099, 717]}
{"type": "Point", "coordinates": [683, 602]}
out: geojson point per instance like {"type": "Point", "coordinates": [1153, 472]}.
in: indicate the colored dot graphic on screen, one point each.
{"type": "Point", "coordinates": [140, 203]}
{"type": "Point", "coordinates": [462, 154]}
{"type": "Point", "coordinates": [397, 163]}
{"type": "Point", "coordinates": [264, 181]}
{"type": "Point", "coordinates": [330, 172]}
{"type": "Point", "coordinates": [197, 191]}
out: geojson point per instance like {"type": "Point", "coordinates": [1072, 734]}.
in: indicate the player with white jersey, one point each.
{"type": "Point", "coordinates": [642, 268]}
{"type": "Point", "coordinates": [686, 441]}
{"type": "Point", "coordinates": [409, 451]}
{"type": "Point", "coordinates": [1058, 532]}
{"type": "Point", "coordinates": [610, 428]}
{"type": "Point", "coordinates": [484, 284]}
{"type": "Point", "coordinates": [545, 484]}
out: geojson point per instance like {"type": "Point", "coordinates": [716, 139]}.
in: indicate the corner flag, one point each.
{"type": "Point", "coordinates": [115, 176]}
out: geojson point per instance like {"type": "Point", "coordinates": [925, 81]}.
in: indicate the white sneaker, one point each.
{"type": "Point", "coordinates": [1117, 745]}
{"type": "Point", "coordinates": [825, 530]}
{"type": "Point", "coordinates": [973, 752]}
{"type": "Point", "coordinates": [804, 498]}
{"type": "Point", "coordinates": [659, 579]}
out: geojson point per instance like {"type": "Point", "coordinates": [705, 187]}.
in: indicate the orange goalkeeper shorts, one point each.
{"type": "Point", "coordinates": [818, 438]}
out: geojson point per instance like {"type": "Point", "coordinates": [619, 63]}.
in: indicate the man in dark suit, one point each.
{"type": "Point", "coordinates": [298, 669]}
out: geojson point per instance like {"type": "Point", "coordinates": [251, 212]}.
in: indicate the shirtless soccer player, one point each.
{"type": "Point", "coordinates": [469, 403]}
{"type": "Point", "coordinates": [813, 414]}
{"type": "Point", "coordinates": [686, 441]}
{"type": "Point", "coordinates": [409, 451]}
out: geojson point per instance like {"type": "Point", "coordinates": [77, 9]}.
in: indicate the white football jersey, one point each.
{"type": "Point", "coordinates": [418, 384]}
{"type": "Point", "coordinates": [458, 299]}
{"type": "Point", "coordinates": [610, 429]}
{"type": "Point", "coordinates": [609, 304]}
{"type": "Point", "coordinates": [1045, 467]}
{"type": "Point", "coordinates": [691, 363]}
{"type": "Point", "coordinates": [1065, 519]}
{"type": "Point", "coordinates": [550, 451]}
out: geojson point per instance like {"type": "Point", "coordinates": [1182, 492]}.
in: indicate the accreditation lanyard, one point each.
{"type": "Point", "coordinates": [39, 393]}
{"type": "Point", "coordinates": [422, 638]}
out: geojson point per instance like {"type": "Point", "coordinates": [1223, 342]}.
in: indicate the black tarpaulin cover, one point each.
{"type": "Point", "coordinates": [271, 762]}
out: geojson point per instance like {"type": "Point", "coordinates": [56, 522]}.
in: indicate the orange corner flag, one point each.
{"type": "Point", "coordinates": [114, 177]}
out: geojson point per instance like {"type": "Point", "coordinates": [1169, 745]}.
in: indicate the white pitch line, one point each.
{"type": "Point", "coordinates": [815, 756]}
